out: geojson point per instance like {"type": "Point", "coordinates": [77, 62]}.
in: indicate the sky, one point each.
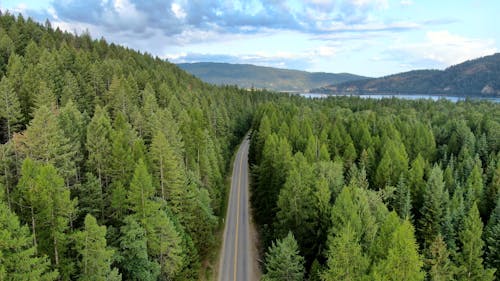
{"type": "Point", "coordinates": [365, 37]}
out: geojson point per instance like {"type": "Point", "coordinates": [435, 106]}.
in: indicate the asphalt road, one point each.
{"type": "Point", "coordinates": [237, 260]}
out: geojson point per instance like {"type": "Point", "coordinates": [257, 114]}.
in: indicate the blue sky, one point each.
{"type": "Point", "coordinates": [366, 37]}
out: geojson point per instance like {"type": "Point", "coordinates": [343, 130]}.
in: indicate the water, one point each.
{"type": "Point", "coordinates": [406, 97]}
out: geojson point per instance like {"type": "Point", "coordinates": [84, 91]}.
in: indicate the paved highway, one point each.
{"type": "Point", "coordinates": [237, 259]}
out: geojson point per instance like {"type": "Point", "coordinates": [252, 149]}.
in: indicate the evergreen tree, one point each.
{"type": "Point", "coordinates": [10, 109]}
{"type": "Point", "coordinates": [283, 262]}
{"type": "Point", "coordinates": [44, 141]}
{"type": "Point", "coordinates": [393, 163]}
{"type": "Point", "coordinates": [346, 260]}
{"type": "Point", "coordinates": [440, 266]}
{"type": "Point", "coordinates": [433, 209]}
{"type": "Point", "coordinates": [164, 242]}
{"type": "Point", "coordinates": [98, 144]}
{"type": "Point", "coordinates": [133, 257]}
{"type": "Point", "coordinates": [43, 192]}
{"type": "Point", "coordinates": [470, 260]}
{"type": "Point", "coordinates": [416, 184]}
{"type": "Point", "coordinates": [72, 124]}
{"type": "Point", "coordinates": [18, 256]}
{"type": "Point", "coordinates": [95, 258]}
{"type": "Point", "coordinates": [403, 261]}
{"type": "Point", "coordinates": [492, 240]}
{"type": "Point", "coordinates": [352, 207]}
{"type": "Point", "coordinates": [296, 204]}
{"type": "Point", "coordinates": [474, 185]}
{"type": "Point", "coordinates": [121, 161]}
{"type": "Point", "coordinates": [168, 169]}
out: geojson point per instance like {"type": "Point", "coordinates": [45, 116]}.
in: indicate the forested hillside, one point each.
{"type": "Point", "coordinates": [478, 77]}
{"type": "Point", "coordinates": [112, 162]}
{"type": "Point", "coordinates": [360, 189]}
{"type": "Point", "coordinates": [259, 77]}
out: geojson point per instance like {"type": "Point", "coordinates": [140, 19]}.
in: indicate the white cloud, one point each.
{"type": "Point", "coordinates": [446, 48]}
{"type": "Point", "coordinates": [178, 11]}
{"type": "Point", "coordinates": [406, 2]}
{"type": "Point", "coordinates": [383, 4]}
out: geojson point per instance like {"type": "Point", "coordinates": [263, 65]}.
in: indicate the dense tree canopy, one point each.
{"type": "Point", "coordinates": [406, 186]}
{"type": "Point", "coordinates": [112, 165]}
{"type": "Point", "coordinates": [112, 161]}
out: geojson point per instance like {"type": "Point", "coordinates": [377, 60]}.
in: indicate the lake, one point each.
{"type": "Point", "coordinates": [406, 97]}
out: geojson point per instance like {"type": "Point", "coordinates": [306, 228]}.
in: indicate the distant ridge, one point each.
{"type": "Point", "coordinates": [260, 77]}
{"type": "Point", "coordinates": [478, 77]}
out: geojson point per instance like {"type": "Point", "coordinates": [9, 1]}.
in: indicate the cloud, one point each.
{"type": "Point", "coordinates": [174, 17]}
{"type": "Point", "coordinates": [441, 49]}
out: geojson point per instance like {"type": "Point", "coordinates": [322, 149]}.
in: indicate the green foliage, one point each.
{"type": "Point", "coordinates": [433, 209]}
{"type": "Point", "coordinates": [133, 258]}
{"type": "Point", "coordinates": [49, 209]}
{"type": "Point", "coordinates": [283, 261]}
{"type": "Point", "coordinates": [95, 258]}
{"type": "Point", "coordinates": [393, 163]}
{"type": "Point", "coordinates": [98, 144]}
{"type": "Point", "coordinates": [346, 260]}
{"type": "Point", "coordinates": [470, 260]}
{"type": "Point", "coordinates": [492, 240]}
{"type": "Point", "coordinates": [44, 141]}
{"type": "Point", "coordinates": [440, 266]}
{"type": "Point", "coordinates": [18, 256]}
{"type": "Point", "coordinates": [403, 261]}
{"type": "Point", "coordinates": [370, 145]}
{"type": "Point", "coordinates": [10, 109]}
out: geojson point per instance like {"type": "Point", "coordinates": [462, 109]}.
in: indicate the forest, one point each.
{"type": "Point", "coordinates": [112, 162]}
{"type": "Point", "coordinates": [113, 166]}
{"type": "Point", "coordinates": [362, 189]}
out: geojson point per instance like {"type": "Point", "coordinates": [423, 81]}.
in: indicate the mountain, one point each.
{"type": "Point", "coordinates": [260, 77]}
{"type": "Point", "coordinates": [478, 77]}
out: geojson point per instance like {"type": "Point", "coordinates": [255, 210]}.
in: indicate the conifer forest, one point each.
{"type": "Point", "coordinates": [114, 165]}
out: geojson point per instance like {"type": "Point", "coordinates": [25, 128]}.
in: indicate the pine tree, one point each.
{"type": "Point", "coordinates": [474, 184]}
{"type": "Point", "coordinates": [393, 163]}
{"type": "Point", "coordinates": [90, 197]}
{"type": "Point", "coordinates": [44, 141]}
{"type": "Point", "coordinates": [164, 242]}
{"type": "Point", "coordinates": [353, 207]}
{"type": "Point", "coordinates": [10, 109]}
{"type": "Point", "coordinates": [98, 144]}
{"type": "Point", "coordinates": [433, 209]}
{"type": "Point", "coordinates": [47, 199]}
{"type": "Point", "coordinates": [95, 258]}
{"type": "Point", "coordinates": [403, 199]}
{"type": "Point", "coordinates": [133, 257]}
{"type": "Point", "coordinates": [470, 260]}
{"type": "Point", "coordinates": [72, 124]}
{"type": "Point", "coordinates": [403, 261]}
{"type": "Point", "coordinates": [283, 262]}
{"type": "Point", "coordinates": [346, 260]}
{"type": "Point", "coordinates": [492, 240]}
{"type": "Point", "coordinates": [416, 183]}
{"type": "Point", "coordinates": [296, 206]}
{"type": "Point", "coordinates": [167, 167]}
{"type": "Point", "coordinates": [18, 256]}
{"type": "Point", "coordinates": [141, 192]}
{"type": "Point", "coordinates": [440, 266]}
{"type": "Point", "coordinates": [121, 161]}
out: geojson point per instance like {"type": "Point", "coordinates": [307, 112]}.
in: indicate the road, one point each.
{"type": "Point", "coordinates": [238, 257]}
